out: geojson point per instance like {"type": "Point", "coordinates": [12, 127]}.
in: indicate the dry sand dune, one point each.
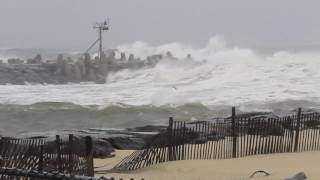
{"type": "Point", "coordinates": [278, 165]}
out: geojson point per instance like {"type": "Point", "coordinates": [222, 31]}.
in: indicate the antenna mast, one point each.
{"type": "Point", "coordinates": [101, 26]}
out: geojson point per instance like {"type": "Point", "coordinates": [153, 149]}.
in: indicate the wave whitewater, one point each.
{"type": "Point", "coordinates": [217, 77]}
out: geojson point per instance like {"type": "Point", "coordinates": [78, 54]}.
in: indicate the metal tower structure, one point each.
{"type": "Point", "coordinates": [101, 26]}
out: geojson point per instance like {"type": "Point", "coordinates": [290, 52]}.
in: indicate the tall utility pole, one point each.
{"type": "Point", "coordinates": [101, 26]}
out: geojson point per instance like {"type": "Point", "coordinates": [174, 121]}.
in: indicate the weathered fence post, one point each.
{"type": "Point", "coordinates": [70, 153]}
{"type": "Point", "coordinates": [170, 150]}
{"type": "Point", "coordinates": [296, 139]}
{"type": "Point", "coordinates": [183, 141]}
{"type": "Point", "coordinates": [234, 134]}
{"type": "Point", "coordinates": [59, 163]}
{"type": "Point", "coordinates": [40, 165]}
{"type": "Point", "coordinates": [89, 155]}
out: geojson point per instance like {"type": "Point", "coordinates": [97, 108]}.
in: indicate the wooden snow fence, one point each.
{"type": "Point", "coordinates": [234, 137]}
{"type": "Point", "coordinates": [66, 154]}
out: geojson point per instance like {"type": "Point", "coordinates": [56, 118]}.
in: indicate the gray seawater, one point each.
{"type": "Point", "coordinates": [54, 116]}
{"type": "Point", "coordinates": [278, 81]}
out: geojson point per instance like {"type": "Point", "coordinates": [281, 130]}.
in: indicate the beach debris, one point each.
{"type": "Point", "coordinates": [299, 176]}
{"type": "Point", "coordinates": [260, 171]}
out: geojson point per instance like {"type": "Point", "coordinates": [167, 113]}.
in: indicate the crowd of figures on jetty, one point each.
{"type": "Point", "coordinates": [64, 70]}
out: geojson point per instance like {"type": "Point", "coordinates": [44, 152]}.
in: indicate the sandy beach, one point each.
{"type": "Point", "coordinates": [278, 165]}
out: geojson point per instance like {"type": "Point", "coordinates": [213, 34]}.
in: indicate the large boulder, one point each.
{"type": "Point", "coordinates": [60, 65]}
{"type": "Point", "coordinates": [126, 142]}
{"type": "Point", "coordinates": [131, 57]}
{"type": "Point", "coordinates": [36, 60]}
{"type": "Point", "coordinates": [102, 148]}
{"type": "Point", "coordinates": [148, 128]}
{"type": "Point", "coordinates": [87, 66]}
{"type": "Point", "coordinates": [265, 127]}
{"type": "Point", "coordinates": [14, 61]}
{"type": "Point", "coordinates": [123, 57]}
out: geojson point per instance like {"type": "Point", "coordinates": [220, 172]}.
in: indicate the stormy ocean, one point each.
{"type": "Point", "coordinates": [224, 76]}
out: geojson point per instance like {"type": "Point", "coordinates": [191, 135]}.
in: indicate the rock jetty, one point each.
{"type": "Point", "coordinates": [67, 70]}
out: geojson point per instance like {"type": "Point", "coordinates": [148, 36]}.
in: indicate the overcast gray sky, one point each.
{"type": "Point", "coordinates": [247, 23]}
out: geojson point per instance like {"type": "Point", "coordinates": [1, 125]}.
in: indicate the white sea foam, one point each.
{"type": "Point", "coordinates": [230, 76]}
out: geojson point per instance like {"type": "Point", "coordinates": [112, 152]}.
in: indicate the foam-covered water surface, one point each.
{"type": "Point", "coordinates": [218, 76]}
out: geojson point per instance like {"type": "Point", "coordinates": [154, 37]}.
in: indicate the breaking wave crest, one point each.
{"type": "Point", "coordinates": [217, 77]}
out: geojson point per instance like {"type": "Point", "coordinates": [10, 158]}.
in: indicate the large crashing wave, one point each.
{"type": "Point", "coordinates": [229, 76]}
{"type": "Point", "coordinates": [217, 75]}
{"type": "Point", "coordinates": [217, 78]}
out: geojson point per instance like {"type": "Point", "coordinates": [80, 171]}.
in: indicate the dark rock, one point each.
{"type": "Point", "coordinates": [312, 124]}
{"type": "Point", "coordinates": [262, 123]}
{"type": "Point", "coordinates": [298, 176]}
{"type": "Point", "coordinates": [123, 57]}
{"type": "Point", "coordinates": [38, 58]}
{"type": "Point", "coordinates": [126, 143]}
{"type": "Point", "coordinates": [102, 148]}
{"type": "Point", "coordinates": [14, 61]}
{"type": "Point", "coordinates": [161, 139]}
{"type": "Point", "coordinates": [197, 137]}
{"type": "Point", "coordinates": [104, 141]}
{"type": "Point", "coordinates": [265, 128]}
{"type": "Point", "coordinates": [131, 58]}
{"type": "Point", "coordinates": [287, 123]}
{"type": "Point", "coordinates": [35, 60]}
{"type": "Point", "coordinates": [87, 66]}
{"type": "Point", "coordinates": [60, 65]}
{"type": "Point", "coordinates": [62, 71]}
{"type": "Point", "coordinates": [256, 115]}
{"type": "Point", "coordinates": [148, 128]}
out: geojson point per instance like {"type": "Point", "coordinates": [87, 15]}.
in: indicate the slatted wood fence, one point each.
{"type": "Point", "coordinates": [37, 175]}
{"type": "Point", "coordinates": [234, 137]}
{"type": "Point", "coordinates": [70, 155]}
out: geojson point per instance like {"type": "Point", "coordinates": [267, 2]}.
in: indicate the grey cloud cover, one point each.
{"type": "Point", "coordinates": [68, 23]}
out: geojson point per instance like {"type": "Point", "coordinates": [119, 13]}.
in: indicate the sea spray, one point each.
{"type": "Point", "coordinates": [217, 77]}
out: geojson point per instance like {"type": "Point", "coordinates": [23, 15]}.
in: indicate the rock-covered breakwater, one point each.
{"type": "Point", "coordinates": [67, 70]}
